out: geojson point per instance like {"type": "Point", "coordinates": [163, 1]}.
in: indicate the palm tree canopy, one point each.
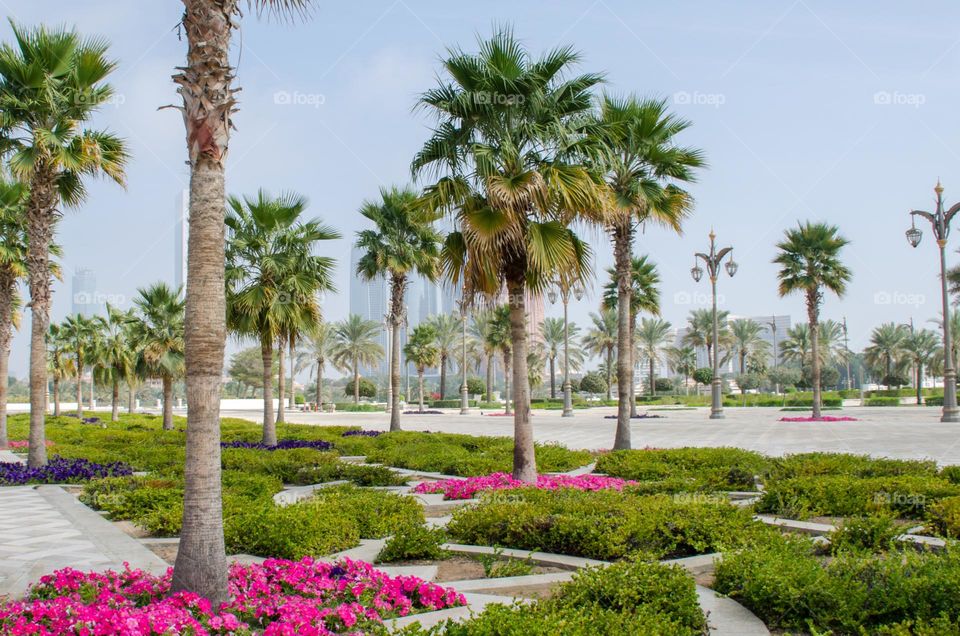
{"type": "Point", "coordinates": [653, 336]}
{"type": "Point", "coordinates": [117, 357]}
{"type": "Point", "coordinates": [421, 348]}
{"type": "Point", "coordinates": [50, 81]}
{"type": "Point", "coordinates": [887, 349]}
{"type": "Point", "coordinates": [552, 336]}
{"type": "Point", "coordinates": [157, 330]}
{"type": "Point", "coordinates": [809, 260]}
{"type": "Point", "coordinates": [356, 342]}
{"type": "Point", "coordinates": [508, 128]}
{"type": "Point", "coordinates": [645, 283]}
{"type": "Point", "coordinates": [602, 336]}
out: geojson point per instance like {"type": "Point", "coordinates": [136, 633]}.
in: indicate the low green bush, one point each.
{"type": "Point", "coordinates": [781, 580]}
{"type": "Point", "coordinates": [289, 532]}
{"type": "Point", "coordinates": [810, 464]}
{"type": "Point", "coordinates": [875, 533]}
{"type": "Point", "coordinates": [414, 542]}
{"type": "Point", "coordinates": [604, 525]}
{"type": "Point", "coordinates": [933, 400]}
{"type": "Point", "coordinates": [943, 517]}
{"type": "Point", "coordinates": [632, 597]}
{"type": "Point", "coordinates": [882, 401]}
{"type": "Point", "coordinates": [686, 468]}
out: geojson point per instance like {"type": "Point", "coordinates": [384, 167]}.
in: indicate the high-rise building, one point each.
{"type": "Point", "coordinates": [85, 300]}
{"type": "Point", "coordinates": [181, 234]}
{"type": "Point", "coordinates": [368, 299]}
{"type": "Point", "coordinates": [774, 332]}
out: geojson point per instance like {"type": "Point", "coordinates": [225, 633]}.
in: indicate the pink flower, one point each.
{"type": "Point", "coordinates": [467, 488]}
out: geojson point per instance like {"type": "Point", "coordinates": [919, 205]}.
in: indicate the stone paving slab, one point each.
{"type": "Point", "coordinates": [726, 617]}
{"type": "Point", "coordinates": [44, 528]}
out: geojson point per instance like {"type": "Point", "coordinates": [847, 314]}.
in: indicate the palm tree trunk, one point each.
{"type": "Point", "coordinates": [79, 386]}
{"type": "Point", "coordinates": [319, 388]}
{"type": "Point", "coordinates": [609, 373]}
{"type": "Point", "coordinates": [919, 383]}
{"type": "Point", "coordinates": [622, 237]}
{"type": "Point", "coordinates": [489, 396]}
{"type": "Point", "coordinates": [41, 217]}
{"type": "Point", "coordinates": [524, 452]}
{"type": "Point", "coordinates": [443, 377]}
{"type": "Point", "coordinates": [398, 285]}
{"type": "Point", "coordinates": [7, 287]}
{"type": "Point", "coordinates": [293, 397]}
{"type": "Point", "coordinates": [553, 381]}
{"type": "Point", "coordinates": [131, 398]}
{"type": "Point", "coordinates": [208, 100]}
{"type": "Point", "coordinates": [269, 425]}
{"type": "Point", "coordinates": [653, 380]}
{"type": "Point", "coordinates": [167, 403]}
{"type": "Point", "coordinates": [420, 384]}
{"type": "Point", "coordinates": [507, 398]}
{"type": "Point", "coordinates": [356, 381]}
{"type": "Point", "coordinates": [56, 397]}
{"type": "Point", "coordinates": [812, 316]}
{"type": "Point", "coordinates": [281, 382]}
{"type": "Point", "coordinates": [115, 402]}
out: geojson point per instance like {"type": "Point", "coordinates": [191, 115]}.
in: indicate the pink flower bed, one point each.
{"type": "Point", "coordinates": [22, 443]}
{"type": "Point", "coordinates": [276, 598]}
{"type": "Point", "coordinates": [467, 488]}
{"type": "Point", "coordinates": [822, 418]}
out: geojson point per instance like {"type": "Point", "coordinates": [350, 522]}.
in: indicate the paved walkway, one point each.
{"type": "Point", "coordinates": [43, 528]}
{"type": "Point", "coordinates": [900, 432]}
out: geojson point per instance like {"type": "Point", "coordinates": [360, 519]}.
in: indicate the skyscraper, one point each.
{"type": "Point", "coordinates": [85, 301]}
{"type": "Point", "coordinates": [368, 299]}
{"type": "Point", "coordinates": [181, 234]}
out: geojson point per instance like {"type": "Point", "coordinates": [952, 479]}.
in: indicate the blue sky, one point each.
{"type": "Point", "coordinates": [806, 110]}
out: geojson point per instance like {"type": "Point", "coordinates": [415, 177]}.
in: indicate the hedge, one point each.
{"type": "Point", "coordinates": [882, 401]}
{"type": "Point", "coordinates": [686, 469]}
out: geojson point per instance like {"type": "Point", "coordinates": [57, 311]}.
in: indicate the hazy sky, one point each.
{"type": "Point", "coordinates": [806, 110]}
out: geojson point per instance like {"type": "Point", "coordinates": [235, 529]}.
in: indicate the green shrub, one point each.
{"type": "Point", "coordinates": [289, 532]}
{"type": "Point", "coordinates": [882, 401]}
{"type": "Point", "coordinates": [933, 400]}
{"type": "Point", "coordinates": [414, 542]}
{"type": "Point", "coordinates": [376, 513]}
{"type": "Point", "coordinates": [943, 517]}
{"type": "Point", "coordinates": [811, 464]}
{"type": "Point", "coordinates": [602, 525]}
{"type": "Point", "coordinates": [875, 533]}
{"type": "Point", "coordinates": [700, 468]}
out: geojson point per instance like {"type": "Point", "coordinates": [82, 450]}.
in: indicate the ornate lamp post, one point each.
{"type": "Point", "coordinates": [846, 352]}
{"type": "Point", "coordinates": [940, 221]}
{"type": "Point", "coordinates": [564, 292]}
{"type": "Point", "coordinates": [464, 397]}
{"type": "Point", "coordinates": [713, 261]}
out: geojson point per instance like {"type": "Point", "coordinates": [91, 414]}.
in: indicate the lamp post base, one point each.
{"type": "Point", "coordinates": [716, 400]}
{"type": "Point", "coordinates": [950, 416]}
{"type": "Point", "coordinates": [464, 403]}
{"type": "Point", "coordinates": [717, 415]}
{"type": "Point", "coordinates": [567, 400]}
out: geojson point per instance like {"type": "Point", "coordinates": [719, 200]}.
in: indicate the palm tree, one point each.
{"type": "Point", "coordinates": [51, 83]}
{"type": "Point", "coordinates": [273, 279]}
{"type": "Point", "coordinates": [886, 351]}
{"type": "Point", "coordinates": [356, 346]}
{"type": "Point", "coordinates": [117, 356]}
{"type": "Point", "coordinates": [809, 261]}
{"type": "Point", "coordinates": [422, 350]}
{"type": "Point", "coordinates": [683, 360]}
{"type": "Point", "coordinates": [447, 330]}
{"type": "Point", "coordinates": [748, 339]}
{"type": "Point", "coordinates": [60, 366]}
{"type": "Point", "coordinates": [553, 338]}
{"type": "Point", "coordinates": [652, 339]}
{"type": "Point", "coordinates": [13, 268]}
{"type": "Point", "coordinates": [403, 242]}
{"type": "Point", "coordinates": [644, 296]}
{"type": "Point", "coordinates": [482, 330]}
{"type": "Point", "coordinates": [602, 340]}
{"type": "Point", "coordinates": [499, 337]}
{"type": "Point", "coordinates": [643, 165]}
{"type": "Point", "coordinates": [506, 125]}
{"type": "Point", "coordinates": [80, 332]}
{"type": "Point", "coordinates": [158, 335]}
{"type": "Point", "coordinates": [921, 346]}
{"type": "Point", "coordinates": [209, 101]}
{"type": "Point", "coordinates": [320, 348]}
{"type": "Point", "coordinates": [700, 333]}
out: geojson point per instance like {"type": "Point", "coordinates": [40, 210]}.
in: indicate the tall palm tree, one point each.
{"type": "Point", "coordinates": [921, 346]}
{"type": "Point", "coordinates": [499, 335]}
{"type": "Point", "coordinates": [700, 333]}
{"type": "Point", "coordinates": [13, 268]}
{"type": "Point", "coordinates": [356, 347]}
{"type": "Point", "coordinates": [642, 164]}
{"type": "Point", "coordinates": [447, 330]}
{"type": "Point", "coordinates": [273, 278]}
{"type": "Point", "coordinates": [683, 360]}
{"type": "Point", "coordinates": [117, 356]}
{"type": "Point", "coordinates": [748, 339]}
{"type": "Point", "coordinates": [602, 339]}
{"type": "Point", "coordinates": [158, 335]}
{"type": "Point", "coordinates": [482, 330]}
{"type": "Point", "coordinates": [209, 101]}
{"type": "Point", "coordinates": [60, 366]}
{"type": "Point", "coordinates": [886, 351]}
{"type": "Point", "coordinates": [422, 350]}
{"type": "Point", "coordinates": [51, 83]}
{"type": "Point", "coordinates": [644, 297]}
{"type": "Point", "coordinates": [320, 348]}
{"type": "Point", "coordinates": [403, 241]}
{"type": "Point", "coordinates": [653, 336]}
{"type": "Point", "coordinates": [507, 125]}
{"type": "Point", "coordinates": [80, 332]}
{"type": "Point", "coordinates": [809, 261]}
{"type": "Point", "coordinates": [554, 337]}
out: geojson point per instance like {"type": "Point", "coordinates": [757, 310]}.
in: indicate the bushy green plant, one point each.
{"type": "Point", "coordinates": [495, 566]}
{"type": "Point", "coordinates": [882, 401]}
{"type": "Point", "coordinates": [289, 532]}
{"type": "Point", "coordinates": [810, 464]}
{"type": "Point", "coordinates": [603, 525]}
{"type": "Point", "coordinates": [875, 533]}
{"type": "Point", "coordinates": [412, 542]}
{"type": "Point", "coordinates": [700, 468]}
{"type": "Point", "coordinates": [943, 517]}
{"type": "Point", "coordinates": [376, 513]}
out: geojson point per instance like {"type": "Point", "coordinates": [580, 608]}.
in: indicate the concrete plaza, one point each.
{"type": "Point", "coordinates": [907, 432]}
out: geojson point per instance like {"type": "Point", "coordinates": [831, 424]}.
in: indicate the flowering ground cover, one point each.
{"type": "Point", "coordinates": [822, 418]}
{"type": "Point", "coordinates": [469, 487]}
{"type": "Point", "coordinates": [361, 433]}
{"type": "Point", "coordinates": [276, 598]}
{"type": "Point", "coordinates": [284, 444]}
{"type": "Point", "coordinates": [60, 471]}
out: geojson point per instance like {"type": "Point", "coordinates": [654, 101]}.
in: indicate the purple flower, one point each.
{"type": "Point", "coordinates": [284, 444]}
{"type": "Point", "coordinates": [359, 433]}
{"type": "Point", "coordinates": [59, 471]}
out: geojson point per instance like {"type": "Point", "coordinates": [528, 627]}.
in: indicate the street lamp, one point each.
{"type": "Point", "coordinates": [846, 352]}
{"type": "Point", "coordinates": [713, 261]}
{"type": "Point", "coordinates": [464, 397]}
{"type": "Point", "coordinates": [564, 290]}
{"type": "Point", "coordinates": [940, 221]}
{"type": "Point", "coordinates": [388, 327]}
